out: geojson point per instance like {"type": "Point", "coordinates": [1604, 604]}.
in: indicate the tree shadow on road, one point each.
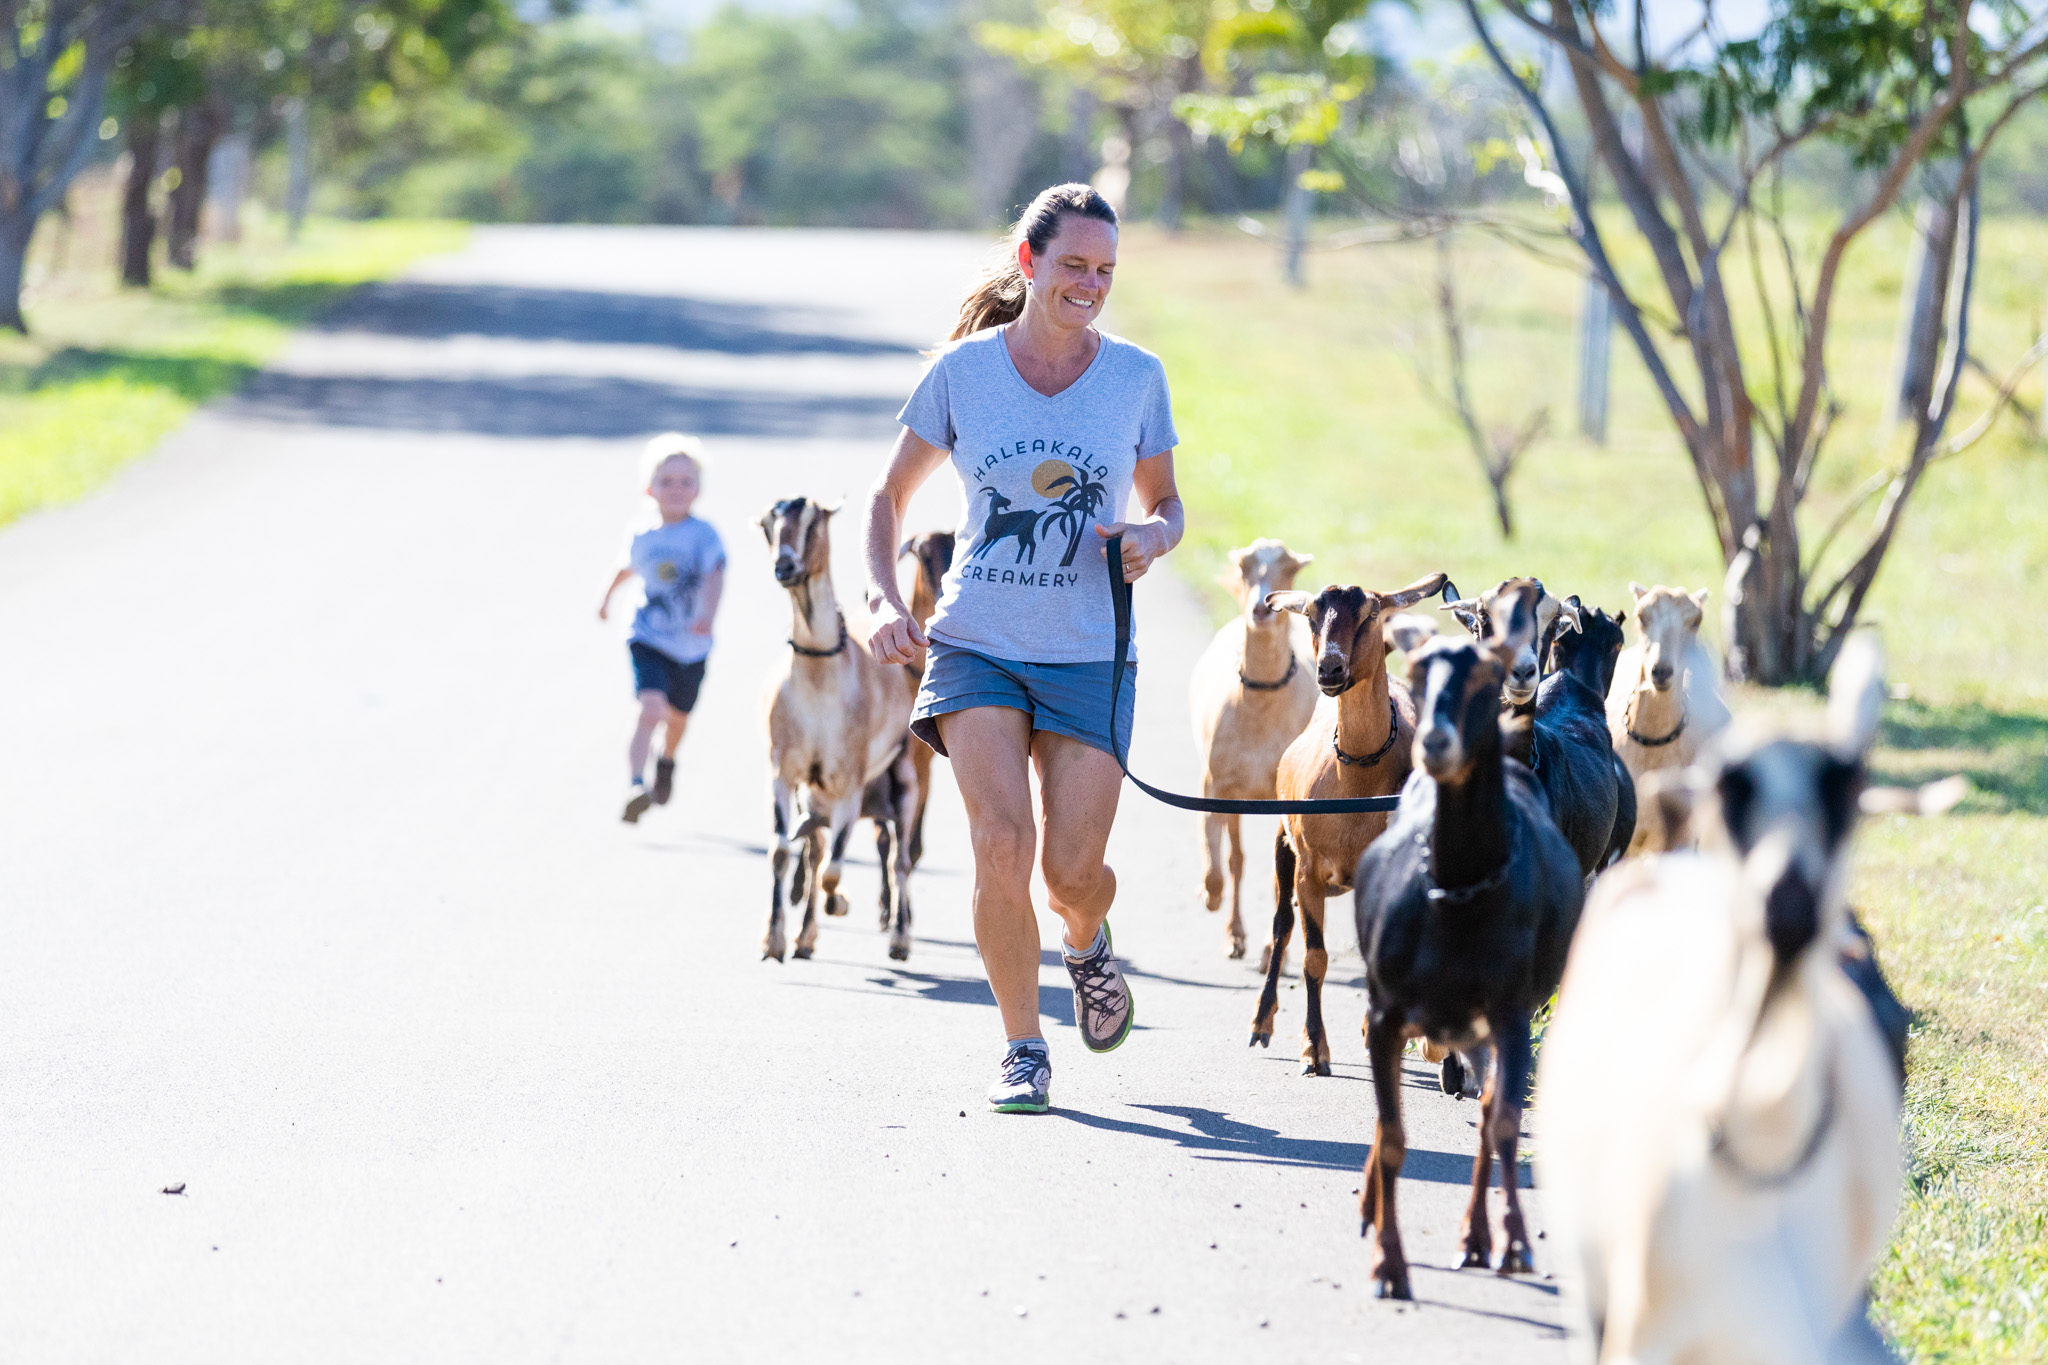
{"type": "Point", "coordinates": [413, 308]}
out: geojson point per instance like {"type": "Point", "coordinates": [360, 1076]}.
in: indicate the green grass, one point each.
{"type": "Point", "coordinates": [106, 372]}
{"type": "Point", "coordinates": [1302, 416]}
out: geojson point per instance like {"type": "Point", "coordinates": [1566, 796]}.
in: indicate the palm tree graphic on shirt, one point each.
{"type": "Point", "coordinates": [1075, 511]}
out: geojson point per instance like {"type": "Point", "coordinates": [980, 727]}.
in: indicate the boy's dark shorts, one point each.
{"type": "Point", "coordinates": [654, 671]}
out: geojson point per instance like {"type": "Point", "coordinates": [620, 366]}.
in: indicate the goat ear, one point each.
{"type": "Point", "coordinates": [1699, 599]}
{"type": "Point", "coordinates": [1413, 593]}
{"type": "Point", "coordinates": [1856, 694]}
{"type": "Point", "coordinates": [1300, 561]}
{"type": "Point", "coordinates": [1467, 612]}
{"type": "Point", "coordinates": [1299, 602]}
{"type": "Point", "coordinates": [1637, 590]}
{"type": "Point", "coordinates": [768, 524]}
{"type": "Point", "coordinates": [1570, 616]}
{"type": "Point", "coordinates": [1407, 632]}
{"type": "Point", "coordinates": [1929, 798]}
{"type": "Point", "coordinates": [828, 508]}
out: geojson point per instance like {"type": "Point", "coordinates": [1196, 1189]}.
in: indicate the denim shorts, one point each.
{"type": "Point", "coordinates": [654, 671]}
{"type": "Point", "coordinates": [1067, 699]}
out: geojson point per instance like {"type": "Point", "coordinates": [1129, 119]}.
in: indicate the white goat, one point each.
{"type": "Point", "coordinates": [1665, 704]}
{"type": "Point", "coordinates": [1727, 1206]}
{"type": "Point", "coordinates": [1250, 694]}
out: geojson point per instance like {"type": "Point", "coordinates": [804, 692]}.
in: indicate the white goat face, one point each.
{"type": "Point", "coordinates": [1668, 621]}
{"type": "Point", "coordinates": [1262, 567]}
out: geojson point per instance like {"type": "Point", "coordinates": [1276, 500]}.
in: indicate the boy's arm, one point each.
{"type": "Point", "coordinates": [604, 606]}
{"type": "Point", "coordinates": [714, 588]}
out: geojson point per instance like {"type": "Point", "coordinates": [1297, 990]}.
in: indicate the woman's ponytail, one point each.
{"type": "Point", "coordinates": [999, 296]}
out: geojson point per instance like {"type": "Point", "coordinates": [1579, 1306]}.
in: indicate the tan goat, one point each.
{"type": "Point", "coordinates": [1727, 1206]}
{"type": "Point", "coordinates": [1665, 703]}
{"type": "Point", "coordinates": [1250, 694]}
{"type": "Point", "coordinates": [1357, 744]}
{"type": "Point", "coordinates": [838, 740]}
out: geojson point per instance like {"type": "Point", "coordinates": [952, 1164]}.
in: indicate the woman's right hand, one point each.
{"type": "Point", "coordinates": [897, 639]}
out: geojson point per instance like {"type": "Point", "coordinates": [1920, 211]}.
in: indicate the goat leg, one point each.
{"type": "Point", "coordinates": [842, 819]}
{"type": "Point", "coordinates": [1212, 861]}
{"type": "Point", "coordinates": [905, 796]}
{"type": "Point", "coordinates": [1315, 963]}
{"type": "Point", "coordinates": [1235, 932]}
{"type": "Point", "coordinates": [1510, 1083]}
{"type": "Point", "coordinates": [1283, 928]}
{"type": "Point", "coordinates": [807, 935]}
{"type": "Point", "coordinates": [1478, 1232]}
{"type": "Point", "coordinates": [772, 943]}
{"type": "Point", "coordinates": [1383, 1036]}
{"type": "Point", "coordinates": [921, 759]}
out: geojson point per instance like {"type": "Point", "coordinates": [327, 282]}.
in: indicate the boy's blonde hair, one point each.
{"type": "Point", "coordinates": [670, 445]}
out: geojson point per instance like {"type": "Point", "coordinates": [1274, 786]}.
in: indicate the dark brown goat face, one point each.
{"type": "Point", "coordinates": [1347, 623]}
{"type": "Point", "coordinates": [930, 555]}
{"type": "Point", "coordinates": [797, 530]}
{"type": "Point", "coordinates": [1457, 689]}
{"type": "Point", "coordinates": [1480, 616]}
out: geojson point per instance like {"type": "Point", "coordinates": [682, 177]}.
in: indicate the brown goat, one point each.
{"type": "Point", "coordinates": [927, 555]}
{"type": "Point", "coordinates": [1356, 744]}
{"type": "Point", "coordinates": [1250, 694]}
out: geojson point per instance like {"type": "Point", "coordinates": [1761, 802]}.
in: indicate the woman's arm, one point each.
{"type": "Point", "coordinates": [707, 609]}
{"type": "Point", "coordinates": [604, 606]}
{"type": "Point", "coordinates": [1145, 541]}
{"type": "Point", "coordinates": [897, 638]}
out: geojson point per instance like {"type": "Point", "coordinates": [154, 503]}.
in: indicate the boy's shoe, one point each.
{"type": "Point", "coordinates": [1102, 998]}
{"type": "Point", "coordinates": [1025, 1085]}
{"type": "Point", "coordinates": [637, 802]}
{"type": "Point", "coordinates": [664, 780]}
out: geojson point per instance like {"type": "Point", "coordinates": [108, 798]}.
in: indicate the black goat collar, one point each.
{"type": "Point", "coordinates": [839, 648]}
{"type": "Point", "coordinates": [1293, 662]}
{"type": "Point", "coordinates": [1393, 733]}
{"type": "Point", "coordinates": [1458, 895]}
{"type": "Point", "coordinates": [1661, 740]}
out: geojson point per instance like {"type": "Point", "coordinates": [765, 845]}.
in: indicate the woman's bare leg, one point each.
{"type": "Point", "coordinates": [989, 746]}
{"type": "Point", "coordinates": [1078, 789]}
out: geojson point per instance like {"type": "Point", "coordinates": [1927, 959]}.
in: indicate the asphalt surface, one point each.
{"type": "Point", "coordinates": [317, 905]}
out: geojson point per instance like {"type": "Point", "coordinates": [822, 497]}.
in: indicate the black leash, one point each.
{"type": "Point", "coordinates": [1120, 601]}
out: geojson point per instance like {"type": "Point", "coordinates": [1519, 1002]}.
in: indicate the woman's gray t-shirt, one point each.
{"type": "Point", "coordinates": [1029, 581]}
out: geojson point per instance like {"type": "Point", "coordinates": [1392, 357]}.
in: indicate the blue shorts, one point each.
{"type": "Point", "coordinates": [654, 671]}
{"type": "Point", "coordinates": [1067, 699]}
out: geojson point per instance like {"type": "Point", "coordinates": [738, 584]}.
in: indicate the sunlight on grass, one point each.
{"type": "Point", "coordinates": [1304, 415]}
{"type": "Point", "coordinates": [106, 373]}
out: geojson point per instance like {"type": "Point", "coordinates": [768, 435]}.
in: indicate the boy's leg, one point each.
{"type": "Point", "coordinates": [665, 766]}
{"type": "Point", "coordinates": [653, 705]}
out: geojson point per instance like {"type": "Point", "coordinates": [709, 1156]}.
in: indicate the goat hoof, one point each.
{"type": "Point", "coordinates": [1516, 1261]}
{"type": "Point", "coordinates": [1450, 1076]}
{"type": "Point", "coordinates": [1395, 1289]}
{"type": "Point", "coordinates": [1260, 1039]}
{"type": "Point", "coordinates": [1234, 950]}
{"type": "Point", "coordinates": [1475, 1258]}
{"type": "Point", "coordinates": [1311, 1066]}
{"type": "Point", "coordinates": [801, 954]}
{"type": "Point", "coordinates": [835, 904]}
{"type": "Point", "coordinates": [899, 952]}
{"type": "Point", "coordinates": [767, 954]}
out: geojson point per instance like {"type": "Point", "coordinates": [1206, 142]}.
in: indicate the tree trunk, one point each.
{"type": "Point", "coordinates": [1596, 333]}
{"type": "Point", "coordinates": [1300, 199]}
{"type": "Point", "coordinates": [199, 127]}
{"type": "Point", "coordinates": [138, 224]}
{"type": "Point", "coordinates": [15, 231]}
{"type": "Point", "coordinates": [1913, 346]}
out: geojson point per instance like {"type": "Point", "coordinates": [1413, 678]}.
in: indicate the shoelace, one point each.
{"type": "Point", "coordinates": [1020, 1065]}
{"type": "Point", "coordinates": [1098, 981]}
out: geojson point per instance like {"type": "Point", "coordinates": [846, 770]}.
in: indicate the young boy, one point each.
{"type": "Point", "coordinates": [681, 563]}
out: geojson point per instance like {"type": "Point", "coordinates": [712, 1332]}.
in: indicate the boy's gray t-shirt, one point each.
{"type": "Point", "coordinates": [1029, 581]}
{"type": "Point", "coordinates": [673, 563]}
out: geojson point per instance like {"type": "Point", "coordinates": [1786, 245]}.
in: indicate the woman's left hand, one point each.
{"type": "Point", "coordinates": [1144, 542]}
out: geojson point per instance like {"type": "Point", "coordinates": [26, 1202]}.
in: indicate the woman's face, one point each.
{"type": "Point", "coordinates": [1070, 278]}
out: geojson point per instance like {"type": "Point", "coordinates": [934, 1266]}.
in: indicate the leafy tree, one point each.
{"type": "Point", "coordinates": [56, 60]}
{"type": "Point", "coordinates": [1915, 92]}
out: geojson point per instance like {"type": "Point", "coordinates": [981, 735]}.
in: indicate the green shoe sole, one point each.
{"type": "Point", "coordinates": [1019, 1108]}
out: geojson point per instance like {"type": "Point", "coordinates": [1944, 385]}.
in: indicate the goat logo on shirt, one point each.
{"type": "Point", "coordinates": [1077, 496]}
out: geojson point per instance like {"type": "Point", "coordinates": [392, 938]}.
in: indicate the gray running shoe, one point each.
{"type": "Point", "coordinates": [1102, 998]}
{"type": "Point", "coordinates": [1025, 1085]}
{"type": "Point", "coordinates": [637, 802]}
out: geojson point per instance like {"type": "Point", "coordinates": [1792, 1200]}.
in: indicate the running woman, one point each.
{"type": "Point", "coordinates": [1050, 424]}
{"type": "Point", "coordinates": [681, 564]}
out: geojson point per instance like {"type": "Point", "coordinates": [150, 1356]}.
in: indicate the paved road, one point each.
{"type": "Point", "coordinates": [316, 902]}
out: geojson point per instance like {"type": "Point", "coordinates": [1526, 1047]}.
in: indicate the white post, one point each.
{"type": "Point", "coordinates": [298, 140]}
{"type": "Point", "coordinates": [227, 183]}
{"type": "Point", "coordinates": [1909, 381]}
{"type": "Point", "coordinates": [1596, 331]}
{"type": "Point", "coordinates": [1300, 199]}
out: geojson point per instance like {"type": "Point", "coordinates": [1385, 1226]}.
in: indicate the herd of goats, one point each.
{"type": "Point", "coordinates": [1583, 833]}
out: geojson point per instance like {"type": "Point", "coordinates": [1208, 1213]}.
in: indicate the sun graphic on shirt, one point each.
{"type": "Point", "coordinates": [1043, 477]}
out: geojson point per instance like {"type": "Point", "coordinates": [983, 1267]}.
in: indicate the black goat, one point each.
{"type": "Point", "coordinates": [1590, 654]}
{"type": "Point", "coordinates": [1466, 908]}
{"type": "Point", "coordinates": [1567, 747]}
